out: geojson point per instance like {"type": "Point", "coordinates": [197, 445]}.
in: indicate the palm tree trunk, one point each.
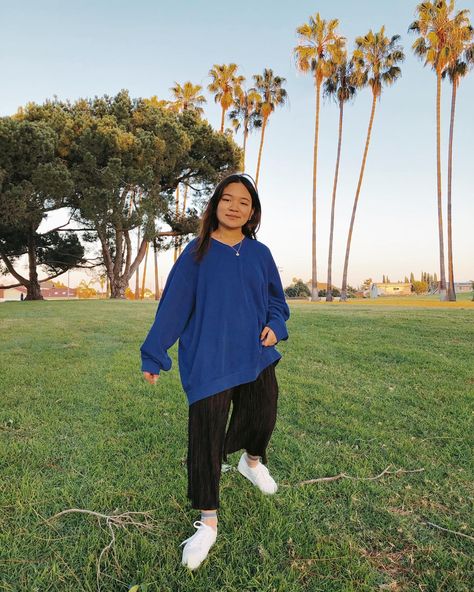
{"type": "Point", "coordinates": [314, 278]}
{"type": "Point", "coordinates": [177, 213]}
{"type": "Point", "coordinates": [144, 272]}
{"type": "Point", "coordinates": [264, 125]}
{"type": "Point", "coordinates": [157, 287]}
{"type": "Point", "coordinates": [442, 273]}
{"type": "Point", "coordinates": [333, 205]}
{"type": "Point", "coordinates": [222, 120]}
{"type": "Point", "coordinates": [137, 275]}
{"type": "Point", "coordinates": [451, 290]}
{"type": "Point", "coordinates": [183, 213]}
{"type": "Point", "coordinates": [356, 199]}
{"type": "Point", "coordinates": [246, 133]}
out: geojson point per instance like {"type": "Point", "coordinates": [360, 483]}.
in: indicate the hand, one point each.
{"type": "Point", "coordinates": [268, 336]}
{"type": "Point", "coordinates": [151, 378]}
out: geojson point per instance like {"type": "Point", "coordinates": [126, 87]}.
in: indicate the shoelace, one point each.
{"type": "Point", "coordinates": [196, 522]}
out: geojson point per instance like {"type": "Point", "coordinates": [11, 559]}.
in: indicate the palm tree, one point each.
{"type": "Point", "coordinates": [434, 24]}
{"type": "Point", "coordinates": [376, 58]}
{"type": "Point", "coordinates": [341, 86]}
{"type": "Point", "coordinates": [462, 54]}
{"type": "Point", "coordinates": [225, 85]}
{"type": "Point", "coordinates": [154, 101]}
{"type": "Point", "coordinates": [245, 114]}
{"type": "Point", "coordinates": [188, 98]}
{"type": "Point", "coordinates": [273, 95]}
{"type": "Point", "coordinates": [318, 45]}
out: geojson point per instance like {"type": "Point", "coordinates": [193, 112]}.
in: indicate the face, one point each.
{"type": "Point", "coordinates": [235, 206]}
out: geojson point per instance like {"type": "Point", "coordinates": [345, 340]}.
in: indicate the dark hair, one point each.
{"type": "Point", "coordinates": [209, 221]}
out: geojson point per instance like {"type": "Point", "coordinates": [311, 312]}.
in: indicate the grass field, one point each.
{"type": "Point", "coordinates": [363, 386]}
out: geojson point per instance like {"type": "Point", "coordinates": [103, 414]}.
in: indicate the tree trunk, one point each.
{"type": "Point", "coordinates": [359, 184]}
{"type": "Point", "coordinates": [144, 273]}
{"type": "Point", "coordinates": [118, 287]}
{"type": "Point", "coordinates": [177, 214]}
{"type": "Point", "coordinates": [157, 287]}
{"type": "Point", "coordinates": [222, 120]}
{"type": "Point", "coordinates": [442, 273]}
{"type": "Point", "coordinates": [451, 290]}
{"type": "Point", "coordinates": [333, 205]}
{"type": "Point", "coordinates": [314, 274]}
{"type": "Point", "coordinates": [33, 289]}
{"type": "Point", "coordinates": [183, 213]}
{"type": "Point", "coordinates": [246, 133]}
{"type": "Point", "coordinates": [262, 137]}
{"type": "Point", "coordinates": [137, 275]}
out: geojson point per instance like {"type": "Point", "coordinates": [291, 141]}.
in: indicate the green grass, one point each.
{"type": "Point", "coordinates": [361, 388]}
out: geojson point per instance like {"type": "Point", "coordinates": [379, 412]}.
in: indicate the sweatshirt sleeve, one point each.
{"type": "Point", "coordinates": [278, 311]}
{"type": "Point", "coordinates": [174, 309]}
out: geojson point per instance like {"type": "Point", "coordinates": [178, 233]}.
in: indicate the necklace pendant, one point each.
{"type": "Point", "coordinates": [237, 255]}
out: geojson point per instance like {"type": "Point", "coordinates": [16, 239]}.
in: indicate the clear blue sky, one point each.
{"type": "Point", "coordinates": [87, 48]}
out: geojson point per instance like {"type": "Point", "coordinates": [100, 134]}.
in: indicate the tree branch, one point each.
{"type": "Point", "coordinates": [58, 227]}
{"type": "Point", "coordinates": [23, 281]}
{"type": "Point", "coordinates": [39, 281]}
{"type": "Point", "coordinates": [344, 476]}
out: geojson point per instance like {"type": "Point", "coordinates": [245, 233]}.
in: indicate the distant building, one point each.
{"type": "Point", "coordinates": [48, 291]}
{"type": "Point", "coordinates": [463, 286]}
{"type": "Point", "coordinates": [11, 294]}
{"type": "Point", "coordinates": [389, 289]}
{"type": "Point", "coordinates": [321, 286]}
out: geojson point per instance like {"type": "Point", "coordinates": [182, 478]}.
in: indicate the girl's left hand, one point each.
{"type": "Point", "coordinates": [268, 336]}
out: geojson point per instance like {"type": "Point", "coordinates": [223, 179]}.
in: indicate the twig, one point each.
{"type": "Point", "coordinates": [467, 536]}
{"type": "Point", "coordinates": [118, 520]}
{"type": "Point", "coordinates": [345, 476]}
{"type": "Point", "coordinates": [441, 438]}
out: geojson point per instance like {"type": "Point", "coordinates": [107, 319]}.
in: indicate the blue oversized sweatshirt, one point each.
{"type": "Point", "coordinates": [218, 308]}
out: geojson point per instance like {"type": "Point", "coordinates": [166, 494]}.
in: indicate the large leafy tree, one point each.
{"type": "Point", "coordinates": [376, 57]}
{"type": "Point", "coordinates": [341, 85]}
{"type": "Point", "coordinates": [318, 46]}
{"type": "Point", "coordinates": [34, 181]}
{"type": "Point", "coordinates": [434, 24]}
{"type": "Point", "coordinates": [120, 151]}
{"type": "Point", "coordinates": [273, 95]}
{"type": "Point", "coordinates": [225, 86]}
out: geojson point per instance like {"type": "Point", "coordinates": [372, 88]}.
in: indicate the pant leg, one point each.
{"type": "Point", "coordinates": [207, 420]}
{"type": "Point", "coordinates": [254, 415]}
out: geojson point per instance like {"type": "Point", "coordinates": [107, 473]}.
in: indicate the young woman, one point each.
{"type": "Point", "coordinates": [224, 300]}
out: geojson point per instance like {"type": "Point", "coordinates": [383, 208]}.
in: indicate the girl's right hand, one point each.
{"type": "Point", "coordinates": [151, 378]}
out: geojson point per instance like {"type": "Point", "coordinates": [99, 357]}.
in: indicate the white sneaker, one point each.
{"type": "Point", "coordinates": [198, 545]}
{"type": "Point", "coordinates": [258, 475]}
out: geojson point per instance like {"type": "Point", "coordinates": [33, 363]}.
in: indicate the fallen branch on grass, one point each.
{"type": "Point", "coordinates": [344, 476]}
{"type": "Point", "coordinates": [119, 521]}
{"type": "Point", "coordinates": [467, 536]}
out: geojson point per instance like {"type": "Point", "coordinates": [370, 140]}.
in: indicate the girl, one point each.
{"type": "Point", "coordinates": [224, 300]}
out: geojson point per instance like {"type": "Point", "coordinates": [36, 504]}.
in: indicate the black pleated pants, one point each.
{"type": "Point", "coordinates": [254, 411]}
